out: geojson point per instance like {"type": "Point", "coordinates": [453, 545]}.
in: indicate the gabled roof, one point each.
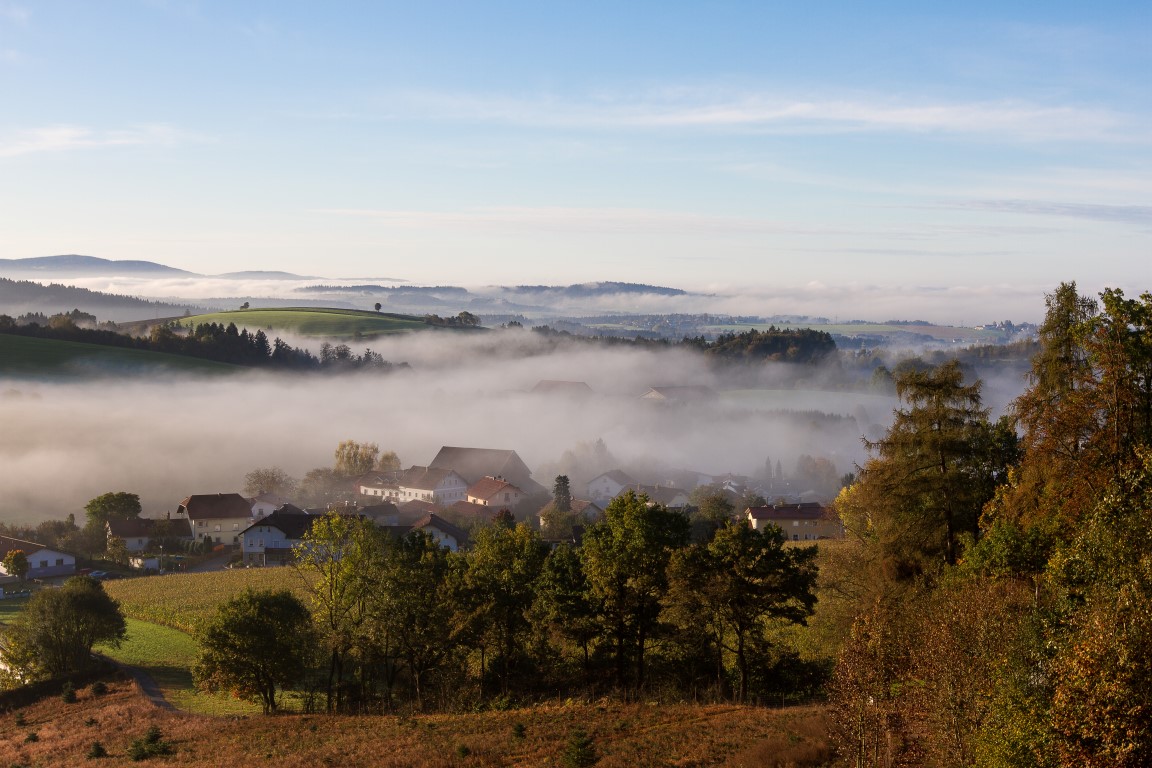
{"type": "Point", "coordinates": [425, 478]}
{"type": "Point", "coordinates": [579, 506]}
{"type": "Point", "coordinates": [215, 506]}
{"type": "Point", "coordinates": [680, 393]}
{"type": "Point", "coordinates": [384, 509]}
{"type": "Point", "coordinates": [274, 499]}
{"type": "Point", "coordinates": [475, 463]}
{"type": "Point", "coordinates": [7, 544]}
{"type": "Point", "coordinates": [417, 506]}
{"type": "Point", "coordinates": [435, 521]}
{"type": "Point", "coordinates": [294, 525]}
{"type": "Point", "coordinates": [802, 511]}
{"type": "Point", "coordinates": [132, 528]}
{"type": "Point", "coordinates": [472, 509]}
{"type": "Point", "coordinates": [488, 487]}
{"type": "Point", "coordinates": [661, 494]}
{"type": "Point", "coordinates": [618, 476]}
{"type": "Point", "coordinates": [554, 386]}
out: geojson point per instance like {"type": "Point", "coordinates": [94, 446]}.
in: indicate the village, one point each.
{"type": "Point", "coordinates": [460, 490]}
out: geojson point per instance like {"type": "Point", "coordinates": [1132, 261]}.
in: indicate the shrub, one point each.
{"type": "Point", "coordinates": [152, 745]}
{"type": "Point", "coordinates": [518, 730]}
{"type": "Point", "coordinates": [32, 737]}
{"type": "Point", "coordinates": [99, 688]}
{"type": "Point", "coordinates": [96, 751]}
{"type": "Point", "coordinates": [580, 752]}
{"type": "Point", "coordinates": [68, 694]}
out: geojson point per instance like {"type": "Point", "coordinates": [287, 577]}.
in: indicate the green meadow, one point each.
{"type": "Point", "coordinates": [311, 321]}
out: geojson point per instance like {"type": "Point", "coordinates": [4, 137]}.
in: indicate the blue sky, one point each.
{"type": "Point", "coordinates": [959, 160]}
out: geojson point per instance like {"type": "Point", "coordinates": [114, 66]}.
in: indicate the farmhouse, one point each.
{"type": "Point", "coordinates": [495, 492]}
{"type": "Point", "coordinates": [270, 540]}
{"type": "Point", "coordinates": [440, 486]}
{"type": "Point", "coordinates": [445, 534]}
{"type": "Point", "coordinates": [474, 464]}
{"type": "Point", "coordinates": [806, 521]}
{"type": "Point", "coordinates": [216, 517]}
{"type": "Point", "coordinates": [42, 562]}
{"type": "Point", "coordinates": [608, 486]}
{"type": "Point", "coordinates": [136, 533]}
{"type": "Point", "coordinates": [688, 394]}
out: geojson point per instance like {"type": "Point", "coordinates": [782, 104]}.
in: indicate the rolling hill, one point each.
{"type": "Point", "coordinates": [22, 356]}
{"type": "Point", "coordinates": [312, 321]}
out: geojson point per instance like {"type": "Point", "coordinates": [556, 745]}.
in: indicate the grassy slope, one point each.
{"type": "Point", "coordinates": [310, 321]}
{"type": "Point", "coordinates": [168, 655]}
{"type": "Point", "coordinates": [623, 734]}
{"type": "Point", "coordinates": [22, 355]}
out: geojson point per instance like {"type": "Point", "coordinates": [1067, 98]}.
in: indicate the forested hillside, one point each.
{"type": "Point", "coordinates": [994, 595]}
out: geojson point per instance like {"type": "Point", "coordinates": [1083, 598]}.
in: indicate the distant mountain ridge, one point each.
{"type": "Point", "coordinates": [75, 264]}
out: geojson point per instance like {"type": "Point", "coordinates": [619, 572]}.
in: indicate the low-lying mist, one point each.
{"type": "Point", "coordinates": [166, 437]}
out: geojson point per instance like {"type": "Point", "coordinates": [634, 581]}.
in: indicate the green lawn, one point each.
{"type": "Point", "coordinates": [168, 656]}
{"type": "Point", "coordinates": [311, 321]}
{"type": "Point", "coordinates": [10, 608]}
{"type": "Point", "coordinates": [24, 355]}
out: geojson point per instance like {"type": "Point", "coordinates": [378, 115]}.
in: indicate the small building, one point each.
{"type": "Point", "coordinates": [806, 521]}
{"type": "Point", "coordinates": [673, 498]}
{"type": "Point", "coordinates": [439, 486]}
{"type": "Point", "coordinates": [685, 394]}
{"type": "Point", "coordinates": [42, 562]}
{"type": "Point", "coordinates": [216, 517]}
{"type": "Point", "coordinates": [266, 503]}
{"type": "Point", "coordinates": [136, 533]}
{"type": "Point", "coordinates": [495, 492]}
{"type": "Point", "coordinates": [271, 540]}
{"type": "Point", "coordinates": [608, 485]}
{"type": "Point", "coordinates": [474, 464]}
{"type": "Point", "coordinates": [446, 535]}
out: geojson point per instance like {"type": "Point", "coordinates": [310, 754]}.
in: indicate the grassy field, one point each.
{"type": "Point", "coordinates": [187, 601]}
{"type": "Point", "coordinates": [168, 655]}
{"type": "Point", "coordinates": [22, 355]}
{"type": "Point", "coordinates": [310, 321]}
{"type": "Point", "coordinates": [10, 608]}
{"type": "Point", "coordinates": [622, 735]}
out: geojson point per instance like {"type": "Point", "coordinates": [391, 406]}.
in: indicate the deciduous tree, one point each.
{"type": "Point", "coordinates": [118, 505]}
{"type": "Point", "coordinates": [258, 644]}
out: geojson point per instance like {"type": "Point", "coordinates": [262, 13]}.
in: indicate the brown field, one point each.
{"type": "Point", "coordinates": [624, 735]}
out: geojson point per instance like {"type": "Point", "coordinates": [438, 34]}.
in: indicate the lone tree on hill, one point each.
{"type": "Point", "coordinates": [258, 644]}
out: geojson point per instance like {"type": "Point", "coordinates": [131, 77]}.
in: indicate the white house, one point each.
{"type": "Point", "coordinates": [806, 521]}
{"type": "Point", "coordinates": [439, 486]}
{"type": "Point", "coordinates": [136, 533]}
{"type": "Point", "coordinates": [216, 517]}
{"type": "Point", "coordinates": [271, 540]}
{"type": "Point", "coordinates": [608, 486]}
{"type": "Point", "coordinates": [265, 504]}
{"type": "Point", "coordinates": [42, 562]}
{"type": "Point", "coordinates": [495, 492]}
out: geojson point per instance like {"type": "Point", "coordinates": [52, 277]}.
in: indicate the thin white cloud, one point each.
{"type": "Point", "coordinates": [571, 218]}
{"type": "Point", "coordinates": [1137, 214]}
{"type": "Point", "coordinates": [16, 14]}
{"type": "Point", "coordinates": [763, 112]}
{"type": "Point", "coordinates": [61, 138]}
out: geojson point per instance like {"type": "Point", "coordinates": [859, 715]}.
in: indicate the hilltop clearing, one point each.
{"type": "Point", "coordinates": [620, 735]}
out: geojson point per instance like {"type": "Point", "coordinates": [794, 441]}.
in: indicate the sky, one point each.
{"type": "Point", "coordinates": [955, 160]}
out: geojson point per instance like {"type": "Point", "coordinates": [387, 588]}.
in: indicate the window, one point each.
{"type": "Point", "coordinates": [217, 528]}
{"type": "Point", "coordinates": [59, 561]}
{"type": "Point", "coordinates": [43, 563]}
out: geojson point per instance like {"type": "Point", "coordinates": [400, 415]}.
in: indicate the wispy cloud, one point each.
{"type": "Point", "coordinates": [694, 108]}
{"type": "Point", "coordinates": [16, 14]}
{"type": "Point", "coordinates": [570, 218]}
{"type": "Point", "coordinates": [1137, 214]}
{"type": "Point", "coordinates": [61, 138]}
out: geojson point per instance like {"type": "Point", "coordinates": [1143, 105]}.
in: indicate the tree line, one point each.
{"type": "Point", "coordinates": [635, 609]}
{"type": "Point", "coordinates": [209, 341]}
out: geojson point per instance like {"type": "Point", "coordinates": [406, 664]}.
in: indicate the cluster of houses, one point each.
{"type": "Point", "coordinates": [460, 484]}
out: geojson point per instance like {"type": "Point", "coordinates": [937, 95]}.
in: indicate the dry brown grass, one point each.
{"type": "Point", "coordinates": [624, 735]}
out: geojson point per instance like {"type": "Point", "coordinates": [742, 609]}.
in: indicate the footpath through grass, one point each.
{"type": "Point", "coordinates": [168, 655]}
